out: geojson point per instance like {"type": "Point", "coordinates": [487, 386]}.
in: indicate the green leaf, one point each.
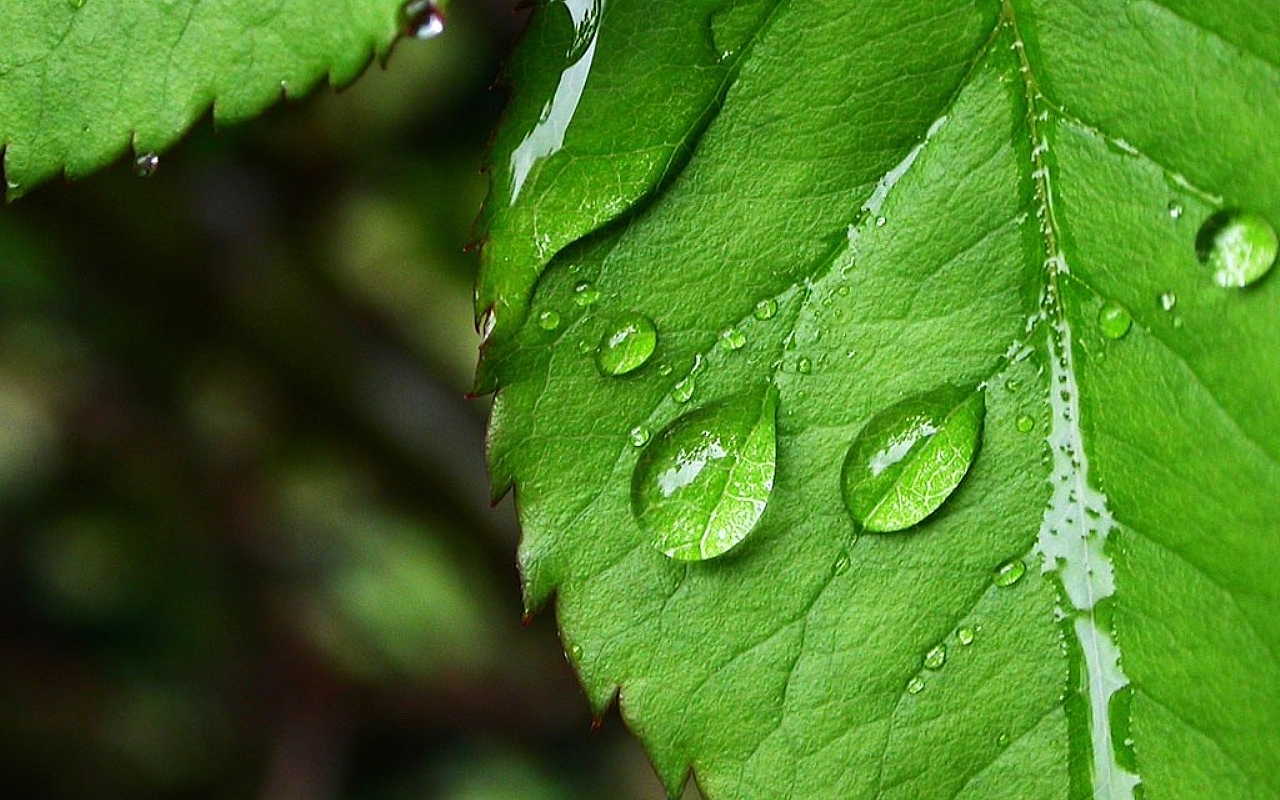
{"type": "Point", "coordinates": [81, 81]}
{"type": "Point", "coordinates": [888, 198]}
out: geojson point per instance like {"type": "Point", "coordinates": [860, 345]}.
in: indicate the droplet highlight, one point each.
{"type": "Point", "coordinates": [548, 320]}
{"type": "Point", "coordinates": [1009, 573]}
{"type": "Point", "coordinates": [1168, 300]}
{"type": "Point", "coordinates": [626, 346]}
{"type": "Point", "coordinates": [1114, 320]}
{"type": "Point", "coordinates": [703, 483]}
{"type": "Point", "coordinates": [422, 19]}
{"type": "Point", "coordinates": [909, 458]}
{"type": "Point", "coordinates": [1239, 247]}
{"type": "Point", "coordinates": [146, 164]}
{"type": "Point", "coordinates": [585, 294]}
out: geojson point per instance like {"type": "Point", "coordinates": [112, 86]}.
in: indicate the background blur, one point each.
{"type": "Point", "coordinates": [246, 549]}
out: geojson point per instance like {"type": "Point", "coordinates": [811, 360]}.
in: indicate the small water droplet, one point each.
{"type": "Point", "coordinates": [76, 4]}
{"type": "Point", "coordinates": [1010, 572]}
{"type": "Point", "coordinates": [1025, 423]}
{"type": "Point", "coordinates": [487, 323]}
{"type": "Point", "coordinates": [966, 634]}
{"type": "Point", "coordinates": [639, 436]}
{"type": "Point", "coordinates": [766, 309]}
{"type": "Point", "coordinates": [682, 392]}
{"type": "Point", "coordinates": [548, 320]}
{"type": "Point", "coordinates": [732, 339]}
{"type": "Point", "coordinates": [422, 19]}
{"type": "Point", "coordinates": [880, 221]}
{"type": "Point", "coordinates": [575, 652]}
{"type": "Point", "coordinates": [1238, 246]}
{"type": "Point", "coordinates": [1012, 385]}
{"type": "Point", "coordinates": [842, 563]}
{"type": "Point", "coordinates": [909, 458]}
{"type": "Point", "coordinates": [804, 366]}
{"type": "Point", "coordinates": [936, 657]}
{"type": "Point", "coordinates": [1175, 209]}
{"type": "Point", "coordinates": [1114, 320]}
{"type": "Point", "coordinates": [842, 290]}
{"type": "Point", "coordinates": [627, 345]}
{"type": "Point", "coordinates": [1168, 300]}
{"type": "Point", "coordinates": [146, 164]}
{"type": "Point", "coordinates": [915, 685]}
{"type": "Point", "coordinates": [1002, 740]}
{"type": "Point", "coordinates": [664, 370]}
{"type": "Point", "coordinates": [585, 294]}
{"type": "Point", "coordinates": [703, 483]}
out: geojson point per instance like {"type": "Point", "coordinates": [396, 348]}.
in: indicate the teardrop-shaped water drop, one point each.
{"type": "Point", "coordinates": [966, 634]}
{"type": "Point", "coordinates": [626, 345]}
{"type": "Point", "coordinates": [422, 19]}
{"type": "Point", "coordinates": [910, 457]}
{"type": "Point", "coordinates": [936, 657]}
{"type": "Point", "coordinates": [1114, 320]}
{"type": "Point", "coordinates": [732, 339]}
{"type": "Point", "coordinates": [1238, 246]}
{"type": "Point", "coordinates": [639, 436]}
{"type": "Point", "coordinates": [703, 483]}
{"type": "Point", "coordinates": [915, 685]}
{"type": "Point", "coordinates": [146, 164]}
{"type": "Point", "coordinates": [1009, 573]}
{"type": "Point", "coordinates": [765, 309]}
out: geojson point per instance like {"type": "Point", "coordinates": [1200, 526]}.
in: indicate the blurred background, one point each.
{"type": "Point", "coordinates": [246, 546]}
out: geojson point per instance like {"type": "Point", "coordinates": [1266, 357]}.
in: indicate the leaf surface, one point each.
{"type": "Point", "coordinates": [83, 80]}
{"type": "Point", "coordinates": [930, 194]}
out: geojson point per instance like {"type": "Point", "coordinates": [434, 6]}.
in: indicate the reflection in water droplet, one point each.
{"type": "Point", "coordinates": [146, 164]}
{"type": "Point", "coordinates": [732, 338]}
{"type": "Point", "coordinates": [766, 309]}
{"type": "Point", "coordinates": [966, 635]}
{"type": "Point", "coordinates": [936, 657]}
{"type": "Point", "coordinates": [1168, 300]}
{"type": "Point", "coordinates": [1114, 320]}
{"type": "Point", "coordinates": [639, 436]}
{"type": "Point", "coordinates": [1025, 424]}
{"type": "Point", "coordinates": [703, 483]}
{"type": "Point", "coordinates": [682, 392]}
{"type": "Point", "coordinates": [915, 685]}
{"type": "Point", "coordinates": [909, 458]}
{"type": "Point", "coordinates": [1238, 246]}
{"type": "Point", "coordinates": [585, 294]}
{"type": "Point", "coordinates": [627, 345]}
{"type": "Point", "coordinates": [1010, 572]}
{"type": "Point", "coordinates": [548, 320]}
{"type": "Point", "coordinates": [422, 19]}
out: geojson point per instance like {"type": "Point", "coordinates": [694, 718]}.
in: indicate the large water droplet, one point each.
{"type": "Point", "coordinates": [627, 345]}
{"type": "Point", "coordinates": [639, 436]}
{"type": "Point", "coordinates": [1239, 246]}
{"type": "Point", "coordinates": [703, 483]}
{"type": "Point", "coordinates": [548, 320]}
{"type": "Point", "coordinates": [146, 164]}
{"type": "Point", "coordinates": [915, 685]}
{"type": "Point", "coordinates": [1114, 320]}
{"type": "Point", "coordinates": [936, 657]}
{"type": "Point", "coordinates": [766, 309]}
{"type": "Point", "coordinates": [910, 457]}
{"type": "Point", "coordinates": [732, 339]}
{"type": "Point", "coordinates": [422, 19]}
{"type": "Point", "coordinates": [966, 634]}
{"type": "Point", "coordinates": [1009, 573]}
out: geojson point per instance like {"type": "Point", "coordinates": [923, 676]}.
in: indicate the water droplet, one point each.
{"type": "Point", "coordinates": [548, 320]}
{"type": "Point", "coordinates": [732, 338]}
{"type": "Point", "coordinates": [627, 345]}
{"type": "Point", "coordinates": [804, 366]}
{"type": "Point", "coordinates": [575, 652]}
{"type": "Point", "coordinates": [682, 392]}
{"type": "Point", "coordinates": [585, 294]}
{"type": "Point", "coordinates": [703, 483]}
{"type": "Point", "coordinates": [1239, 246]}
{"type": "Point", "coordinates": [936, 657]}
{"type": "Point", "coordinates": [146, 164]}
{"type": "Point", "coordinates": [1012, 385]}
{"type": "Point", "coordinates": [1114, 320]}
{"type": "Point", "coordinates": [1025, 424]}
{"type": "Point", "coordinates": [76, 4]}
{"type": "Point", "coordinates": [909, 458]}
{"type": "Point", "coordinates": [487, 323]}
{"type": "Point", "coordinates": [422, 19]}
{"type": "Point", "coordinates": [639, 436]}
{"type": "Point", "coordinates": [842, 290]}
{"type": "Point", "coordinates": [1175, 209]}
{"type": "Point", "coordinates": [1002, 740]}
{"type": "Point", "coordinates": [880, 221]}
{"type": "Point", "coordinates": [842, 563]}
{"type": "Point", "coordinates": [966, 634]}
{"type": "Point", "coordinates": [766, 309]}
{"type": "Point", "coordinates": [1010, 572]}
{"type": "Point", "coordinates": [1168, 300]}
{"type": "Point", "coordinates": [915, 685]}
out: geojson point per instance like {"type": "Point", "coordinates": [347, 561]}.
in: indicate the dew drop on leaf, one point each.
{"type": "Point", "coordinates": [639, 436]}
{"type": "Point", "coordinates": [548, 320]}
{"type": "Point", "coordinates": [146, 164]}
{"type": "Point", "coordinates": [842, 563]}
{"type": "Point", "coordinates": [626, 345]}
{"type": "Point", "coordinates": [422, 19]}
{"type": "Point", "coordinates": [804, 366]}
{"type": "Point", "coordinates": [1168, 300]}
{"type": "Point", "coordinates": [1003, 740]}
{"type": "Point", "coordinates": [966, 634]}
{"type": "Point", "coordinates": [682, 392]}
{"type": "Point", "coordinates": [703, 483]}
{"type": "Point", "coordinates": [76, 4]}
{"type": "Point", "coordinates": [1239, 247]}
{"type": "Point", "coordinates": [910, 457]}
{"type": "Point", "coordinates": [766, 309]}
{"type": "Point", "coordinates": [1025, 424]}
{"type": "Point", "coordinates": [1114, 320]}
{"type": "Point", "coordinates": [915, 685]}
{"type": "Point", "coordinates": [585, 294]}
{"type": "Point", "coordinates": [936, 657]}
{"type": "Point", "coordinates": [1009, 573]}
{"type": "Point", "coordinates": [732, 339]}
{"type": "Point", "coordinates": [1175, 209]}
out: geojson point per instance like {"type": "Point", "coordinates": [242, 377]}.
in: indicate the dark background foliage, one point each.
{"type": "Point", "coordinates": [246, 548]}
